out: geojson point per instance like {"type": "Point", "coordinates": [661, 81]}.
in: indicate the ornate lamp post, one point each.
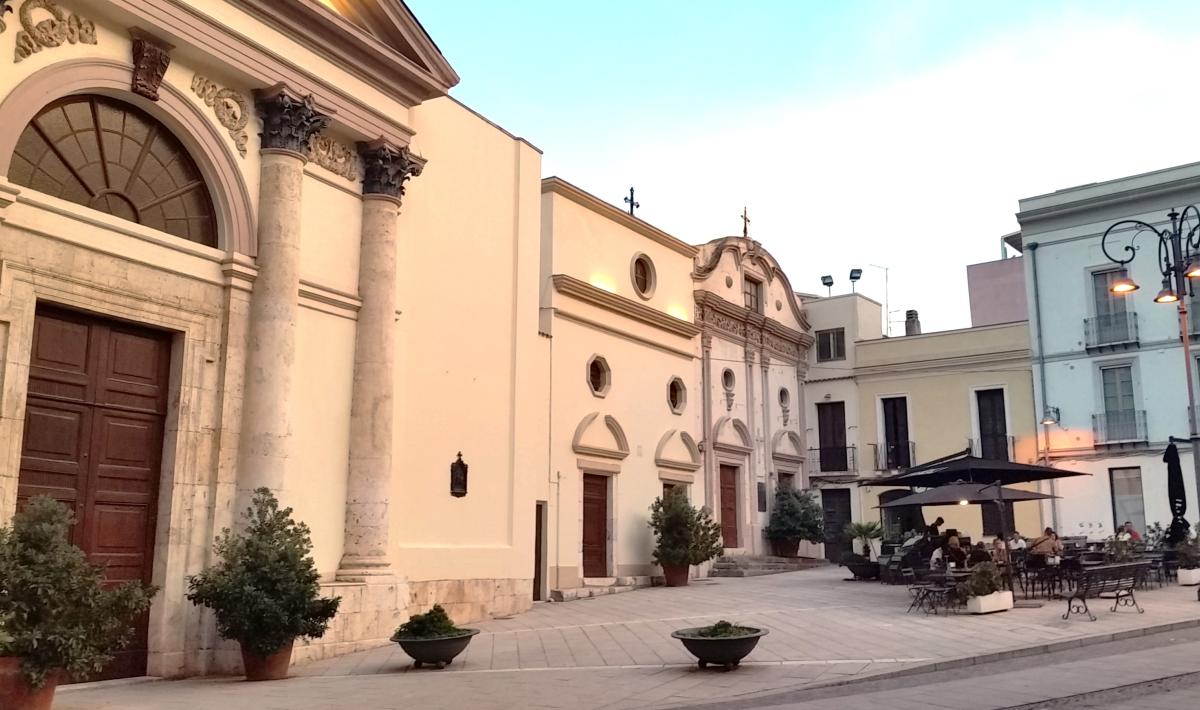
{"type": "Point", "coordinates": [1179, 263]}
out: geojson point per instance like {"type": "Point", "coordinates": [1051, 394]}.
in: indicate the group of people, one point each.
{"type": "Point", "coordinates": [948, 549]}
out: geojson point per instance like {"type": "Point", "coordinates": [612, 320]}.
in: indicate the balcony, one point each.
{"type": "Point", "coordinates": [1113, 331]}
{"type": "Point", "coordinates": [996, 447]}
{"type": "Point", "coordinates": [833, 459]}
{"type": "Point", "coordinates": [1119, 427]}
{"type": "Point", "coordinates": [894, 455]}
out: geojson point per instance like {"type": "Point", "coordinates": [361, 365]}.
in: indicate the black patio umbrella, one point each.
{"type": "Point", "coordinates": [963, 467]}
{"type": "Point", "coordinates": [1177, 495]}
{"type": "Point", "coordinates": [965, 494]}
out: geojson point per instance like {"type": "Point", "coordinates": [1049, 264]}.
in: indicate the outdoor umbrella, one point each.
{"type": "Point", "coordinates": [1176, 495]}
{"type": "Point", "coordinates": [972, 493]}
{"type": "Point", "coordinates": [962, 467]}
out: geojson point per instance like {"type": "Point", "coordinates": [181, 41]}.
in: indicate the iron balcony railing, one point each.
{"type": "Point", "coordinates": [894, 455]}
{"type": "Point", "coordinates": [1122, 426]}
{"type": "Point", "coordinates": [997, 447]}
{"type": "Point", "coordinates": [833, 459]}
{"type": "Point", "coordinates": [1111, 329]}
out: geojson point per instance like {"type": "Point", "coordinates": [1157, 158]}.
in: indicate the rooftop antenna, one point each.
{"type": "Point", "coordinates": [886, 319]}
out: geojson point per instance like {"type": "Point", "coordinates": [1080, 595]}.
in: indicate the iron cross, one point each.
{"type": "Point", "coordinates": [745, 223]}
{"type": "Point", "coordinates": [630, 201]}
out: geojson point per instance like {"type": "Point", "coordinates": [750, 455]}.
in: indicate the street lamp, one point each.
{"type": "Point", "coordinates": [1179, 262]}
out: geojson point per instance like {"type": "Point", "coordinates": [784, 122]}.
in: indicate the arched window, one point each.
{"type": "Point", "coordinates": [113, 157]}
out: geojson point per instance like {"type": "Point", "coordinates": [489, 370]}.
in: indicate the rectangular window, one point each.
{"type": "Point", "coordinates": [1113, 322]}
{"type": "Point", "coordinates": [752, 289]}
{"type": "Point", "coordinates": [1107, 302]}
{"type": "Point", "coordinates": [831, 433]}
{"type": "Point", "coordinates": [831, 344]}
{"type": "Point", "coordinates": [1118, 389]}
{"type": "Point", "coordinates": [1127, 501]}
{"type": "Point", "coordinates": [762, 497]}
{"type": "Point", "coordinates": [993, 430]}
{"type": "Point", "coordinates": [896, 451]}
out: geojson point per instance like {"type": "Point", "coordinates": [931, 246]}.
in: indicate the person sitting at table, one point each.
{"type": "Point", "coordinates": [999, 552]}
{"type": "Point", "coordinates": [978, 554]}
{"type": "Point", "coordinates": [1048, 544]}
{"type": "Point", "coordinates": [937, 559]}
{"type": "Point", "coordinates": [1127, 528]}
{"type": "Point", "coordinates": [954, 553]}
{"type": "Point", "coordinates": [1016, 542]}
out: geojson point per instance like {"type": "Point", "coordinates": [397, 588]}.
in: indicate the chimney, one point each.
{"type": "Point", "coordinates": [912, 324]}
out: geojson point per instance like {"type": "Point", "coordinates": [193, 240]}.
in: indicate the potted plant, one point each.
{"type": "Point", "coordinates": [1118, 548]}
{"type": "Point", "coordinates": [684, 536]}
{"type": "Point", "coordinates": [722, 644]}
{"type": "Point", "coordinates": [264, 588]}
{"type": "Point", "coordinates": [58, 616]}
{"type": "Point", "coordinates": [795, 517]}
{"type": "Point", "coordinates": [984, 590]}
{"type": "Point", "coordinates": [1188, 552]}
{"type": "Point", "coordinates": [432, 638]}
{"type": "Point", "coordinates": [860, 566]}
{"type": "Point", "coordinates": [865, 533]}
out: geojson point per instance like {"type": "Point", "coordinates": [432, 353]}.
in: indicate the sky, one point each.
{"type": "Point", "coordinates": [895, 133]}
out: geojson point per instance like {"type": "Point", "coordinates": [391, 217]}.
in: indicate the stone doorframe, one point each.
{"type": "Point", "coordinates": [609, 470]}
{"type": "Point", "coordinates": [739, 455]}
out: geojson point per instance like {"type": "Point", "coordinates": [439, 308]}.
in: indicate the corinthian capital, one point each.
{"type": "Point", "coordinates": [386, 168]}
{"type": "Point", "coordinates": [289, 121]}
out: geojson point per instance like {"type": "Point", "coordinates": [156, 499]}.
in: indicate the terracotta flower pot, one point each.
{"type": "Point", "coordinates": [15, 693]}
{"type": "Point", "coordinates": [272, 667]}
{"type": "Point", "coordinates": [676, 575]}
{"type": "Point", "coordinates": [786, 548]}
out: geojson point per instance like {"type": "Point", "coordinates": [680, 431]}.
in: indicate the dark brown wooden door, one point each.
{"type": "Point", "coordinates": [93, 438]}
{"type": "Point", "coordinates": [538, 537]}
{"type": "Point", "coordinates": [595, 525]}
{"type": "Point", "coordinates": [831, 431]}
{"type": "Point", "coordinates": [835, 509]}
{"type": "Point", "coordinates": [993, 429]}
{"type": "Point", "coordinates": [729, 508]}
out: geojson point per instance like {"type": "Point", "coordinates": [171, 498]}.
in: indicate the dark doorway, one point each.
{"type": "Point", "coordinates": [93, 439]}
{"type": "Point", "coordinates": [595, 525]}
{"type": "Point", "coordinates": [831, 431]}
{"type": "Point", "coordinates": [729, 506]}
{"type": "Point", "coordinates": [896, 452]}
{"type": "Point", "coordinates": [835, 505]}
{"type": "Point", "coordinates": [539, 538]}
{"type": "Point", "coordinates": [993, 431]}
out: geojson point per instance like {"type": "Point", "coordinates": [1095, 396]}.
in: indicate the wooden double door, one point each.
{"type": "Point", "coordinates": [729, 506]}
{"type": "Point", "coordinates": [93, 440]}
{"type": "Point", "coordinates": [595, 525]}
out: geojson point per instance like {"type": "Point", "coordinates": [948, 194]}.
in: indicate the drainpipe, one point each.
{"type": "Point", "coordinates": [1041, 360]}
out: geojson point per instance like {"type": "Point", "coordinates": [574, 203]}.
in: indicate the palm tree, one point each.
{"type": "Point", "coordinates": [865, 532]}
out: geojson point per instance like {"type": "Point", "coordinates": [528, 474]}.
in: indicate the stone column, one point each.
{"type": "Point", "coordinates": [265, 455]}
{"type": "Point", "coordinates": [369, 481]}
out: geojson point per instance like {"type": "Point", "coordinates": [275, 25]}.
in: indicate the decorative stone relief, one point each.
{"type": "Point", "coordinates": [3, 9]}
{"type": "Point", "coordinates": [780, 345]}
{"type": "Point", "coordinates": [231, 109]}
{"type": "Point", "coordinates": [386, 169]}
{"type": "Point", "coordinates": [335, 156]}
{"type": "Point", "coordinates": [151, 57]}
{"type": "Point", "coordinates": [61, 27]}
{"type": "Point", "coordinates": [289, 122]}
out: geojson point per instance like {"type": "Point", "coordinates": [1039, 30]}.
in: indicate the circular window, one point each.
{"type": "Point", "coordinates": [727, 379]}
{"type": "Point", "coordinates": [599, 376]}
{"type": "Point", "coordinates": [785, 397]}
{"type": "Point", "coordinates": [676, 395]}
{"type": "Point", "coordinates": [641, 271]}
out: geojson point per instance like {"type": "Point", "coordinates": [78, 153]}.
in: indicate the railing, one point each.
{"type": "Point", "coordinates": [1111, 329]}
{"type": "Point", "coordinates": [893, 456]}
{"type": "Point", "coordinates": [836, 459]}
{"type": "Point", "coordinates": [1120, 426]}
{"type": "Point", "coordinates": [997, 447]}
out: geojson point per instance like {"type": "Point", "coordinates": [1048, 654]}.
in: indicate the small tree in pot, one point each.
{"type": "Point", "coordinates": [865, 533]}
{"type": "Point", "coordinates": [796, 517]}
{"type": "Point", "coordinates": [1188, 553]}
{"type": "Point", "coordinates": [264, 588]}
{"type": "Point", "coordinates": [684, 536]}
{"type": "Point", "coordinates": [57, 616]}
{"type": "Point", "coordinates": [432, 638]}
{"type": "Point", "coordinates": [984, 590]}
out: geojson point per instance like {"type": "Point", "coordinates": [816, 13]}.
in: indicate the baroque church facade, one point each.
{"type": "Point", "coordinates": [224, 237]}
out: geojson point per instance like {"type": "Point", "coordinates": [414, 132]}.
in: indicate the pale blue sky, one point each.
{"type": "Point", "coordinates": [895, 133]}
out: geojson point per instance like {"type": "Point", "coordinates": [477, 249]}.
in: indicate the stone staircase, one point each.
{"type": "Point", "coordinates": [598, 587]}
{"type": "Point", "coordinates": [756, 565]}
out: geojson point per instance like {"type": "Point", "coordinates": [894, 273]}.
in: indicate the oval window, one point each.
{"type": "Point", "coordinates": [727, 379]}
{"type": "Point", "coordinates": [785, 397]}
{"type": "Point", "coordinates": [642, 273]}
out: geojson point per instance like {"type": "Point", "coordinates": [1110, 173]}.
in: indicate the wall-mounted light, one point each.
{"type": "Point", "coordinates": [1050, 416]}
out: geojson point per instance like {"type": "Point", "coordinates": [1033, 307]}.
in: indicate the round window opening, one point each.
{"type": "Point", "coordinates": [598, 375]}
{"type": "Point", "coordinates": [643, 275]}
{"type": "Point", "coordinates": [676, 395]}
{"type": "Point", "coordinates": [727, 379]}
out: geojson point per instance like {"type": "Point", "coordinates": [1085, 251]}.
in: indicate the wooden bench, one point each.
{"type": "Point", "coordinates": [1115, 582]}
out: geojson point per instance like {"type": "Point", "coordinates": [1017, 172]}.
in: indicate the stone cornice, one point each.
{"type": "Point", "coordinates": [754, 330]}
{"type": "Point", "coordinates": [1018, 358]}
{"type": "Point", "coordinates": [559, 186]}
{"type": "Point", "coordinates": [583, 291]}
{"type": "Point", "coordinates": [187, 27]}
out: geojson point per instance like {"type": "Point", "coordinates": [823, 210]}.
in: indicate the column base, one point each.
{"type": "Point", "coordinates": [365, 569]}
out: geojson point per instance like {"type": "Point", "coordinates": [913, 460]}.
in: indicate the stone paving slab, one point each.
{"type": "Point", "coordinates": [616, 651]}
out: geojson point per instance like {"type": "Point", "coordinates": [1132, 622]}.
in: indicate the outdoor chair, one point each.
{"type": "Point", "coordinates": [1156, 572]}
{"type": "Point", "coordinates": [917, 589]}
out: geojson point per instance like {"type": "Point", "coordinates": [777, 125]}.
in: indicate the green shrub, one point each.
{"type": "Point", "coordinates": [684, 534]}
{"type": "Point", "coordinates": [984, 579]}
{"type": "Point", "coordinates": [723, 629]}
{"type": "Point", "coordinates": [435, 624]}
{"type": "Point", "coordinates": [1189, 552]}
{"type": "Point", "coordinates": [796, 516]}
{"type": "Point", "coordinates": [865, 532]}
{"type": "Point", "coordinates": [1118, 548]}
{"type": "Point", "coordinates": [55, 608]}
{"type": "Point", "coordinates": [264, 587]}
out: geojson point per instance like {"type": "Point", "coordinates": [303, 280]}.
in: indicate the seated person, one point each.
{"type": "Point", "coordinates": [999, 552]}
{"type": "Point", "coordinates": [1016, 542]}
{"type": "Point", "coordinates": [1048, 544]}
{"type": "Point", "coordinates": [953, 552]}
{"type": "Point", "coordinates": [978, 554]}
{"type": "Point", "coordinates": [937, 559]}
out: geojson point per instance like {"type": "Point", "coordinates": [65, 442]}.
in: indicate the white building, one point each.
{"type": "Point", "coordinates": [1108, 369]}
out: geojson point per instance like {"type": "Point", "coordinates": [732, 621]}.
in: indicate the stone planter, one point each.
{"type": "Point", "coordinates": [15, 693]}
{"type": "Point", "coordinates": [786, 548]}
{"type": "Point", "coordinates": [676, 575]}
{"type": "Point", "coordinates": [989, 603]}
{"type": "Point", "coordinates": [437, 652]}
{"type": "Point", "coordinates": [864, 570]}
{"type": "Point", "coordinates": [725, 651]}
{"type": "Point", "coordinates": [1189, 577]}
{"type": "Point", "coordinates": [272, 667]}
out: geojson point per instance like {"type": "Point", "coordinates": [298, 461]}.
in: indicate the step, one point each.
{"type": "Point", "coordinates": [599, 587]}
